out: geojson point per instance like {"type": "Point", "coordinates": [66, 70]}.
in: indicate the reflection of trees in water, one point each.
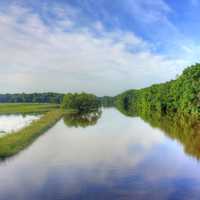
{"type": "Point", "coordinates": [183, 128]}
{"type": "Point", "coordinates": [127, 111]}
{"type": "Point", "coordinates": [82, 119]}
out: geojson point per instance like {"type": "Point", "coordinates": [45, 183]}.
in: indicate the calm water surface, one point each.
{"type": "Point", "coordinates": [100, 158]}
{"type": "Point", "coordinates": [10, 123]}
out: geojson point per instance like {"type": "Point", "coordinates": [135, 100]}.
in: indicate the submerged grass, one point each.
{"type": "Point", "coordinates": [10, 108]}
{"type": "Point", "coordinates": [12, 144]}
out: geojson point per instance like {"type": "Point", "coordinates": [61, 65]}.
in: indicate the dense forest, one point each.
{"type": "Point", "coordinates": [180, 95]}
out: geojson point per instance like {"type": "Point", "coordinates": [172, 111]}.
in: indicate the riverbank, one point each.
{"type": "Point", "coordinates": [13, 143]}
{"type": "Point", "coordinates": [25, 108]}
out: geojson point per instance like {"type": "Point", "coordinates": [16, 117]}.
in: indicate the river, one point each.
{"type": "Point", "coordinates": [102, 156]}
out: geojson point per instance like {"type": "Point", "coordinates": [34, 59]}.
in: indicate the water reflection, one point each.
{"type": "Point", "coordinates": [183, 128]}
{"type": "Point", "coordinates": [93, 162]}
{"type": "Point", "coordinates": [117, 158]}
{"type": "Point", "coordinates": [83, 119]}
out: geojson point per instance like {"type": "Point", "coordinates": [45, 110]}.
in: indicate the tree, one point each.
{"type": "Point", "coordinates": [80, 102]}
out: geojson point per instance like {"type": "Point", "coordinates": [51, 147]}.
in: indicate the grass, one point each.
{"type": "Point", "coordinates": [10, 108]}
{"type": "Point", "coordinates": [12, 144]}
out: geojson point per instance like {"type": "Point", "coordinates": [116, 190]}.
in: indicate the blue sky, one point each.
{"type": "Point", "coordinates": [103, 47]}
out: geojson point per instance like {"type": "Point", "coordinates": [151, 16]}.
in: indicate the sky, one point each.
{"type": "Point", "coordinates": [98, 46]}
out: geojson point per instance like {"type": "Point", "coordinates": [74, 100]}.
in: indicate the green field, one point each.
{"type": "Point", "coordinates": [13, 108]}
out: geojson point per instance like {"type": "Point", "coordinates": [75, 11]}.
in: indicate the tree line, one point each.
{"type": "Point", "coordinates": [180, 95]}
{"type": "Point", "coordinates": [48, 97]}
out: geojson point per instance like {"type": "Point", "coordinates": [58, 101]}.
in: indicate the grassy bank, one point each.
{"type": "Point", "coordinates": [180, 95]}
{"type": "Point", "coordinates": [10, 108]}
{"type": "Point", "coordinates": [13, 143]}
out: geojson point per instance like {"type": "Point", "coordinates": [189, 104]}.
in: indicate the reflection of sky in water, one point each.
{"type": "Point", "coordinates": [10, 123]}
{"type": "Point", "coordinates": [118, 158]}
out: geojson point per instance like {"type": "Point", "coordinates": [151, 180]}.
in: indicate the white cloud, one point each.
{"type": "Point", "coordinates": [148, 11]}
{"type": "Point", "coordinates": [40, 57]}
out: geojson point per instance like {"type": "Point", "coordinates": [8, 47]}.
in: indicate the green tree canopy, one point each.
{"type": "Point", "coordinates": [180, 95]}
{"type": "Point", "coordinates": [80, 102]}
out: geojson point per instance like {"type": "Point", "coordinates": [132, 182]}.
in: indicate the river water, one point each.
{"type": "Point", "coordinates": [103, 156]}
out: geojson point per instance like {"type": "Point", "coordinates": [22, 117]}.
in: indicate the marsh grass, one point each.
{"type": "Point", "coordinates": [12, 144]}
{"type": "Point", "coordinates": [24, 108]}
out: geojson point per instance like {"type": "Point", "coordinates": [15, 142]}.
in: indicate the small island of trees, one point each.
{"type": "Point", "coordinates": [81, 102]}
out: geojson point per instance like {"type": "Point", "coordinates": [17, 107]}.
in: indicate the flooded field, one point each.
{"type": "Point", "coordinates": [11, 123]}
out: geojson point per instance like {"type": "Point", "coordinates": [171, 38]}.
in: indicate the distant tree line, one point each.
{"type": "Point", "coordinates": [106, 101]}
{"type": "Point", "coordinates": [48, 97]}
